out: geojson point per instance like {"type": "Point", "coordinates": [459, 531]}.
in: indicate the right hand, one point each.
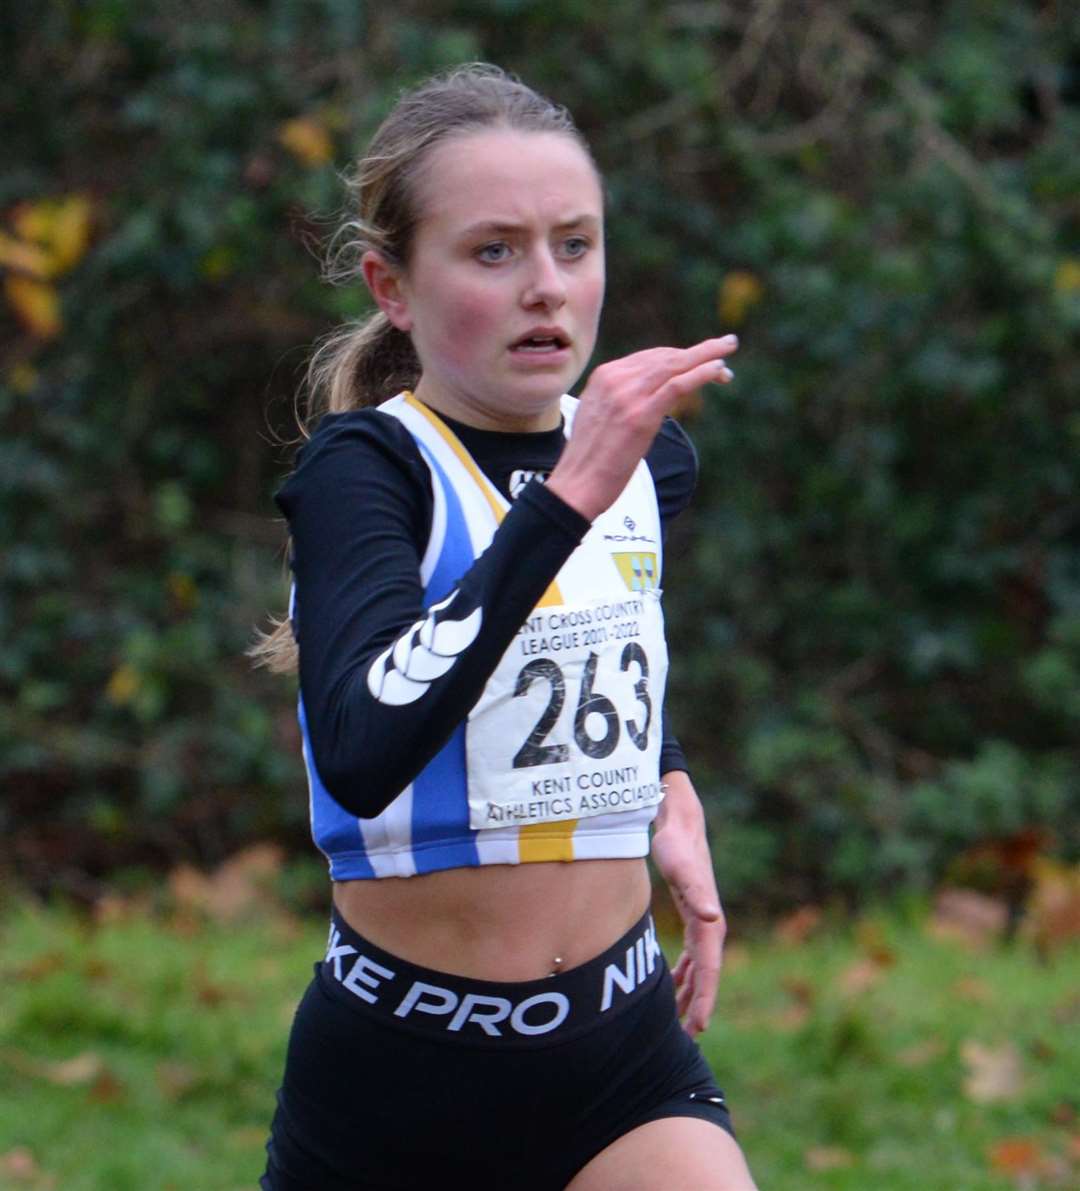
{"type": "Point", "coordinates": [620, 413]}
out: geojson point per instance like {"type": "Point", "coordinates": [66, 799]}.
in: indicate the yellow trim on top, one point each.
{"type": "Point", "coordinates": [546, 841]}
{"type": "Point", "coordinates": [551, 597]}
{"type": "Point", "coordinates": [467, 461]}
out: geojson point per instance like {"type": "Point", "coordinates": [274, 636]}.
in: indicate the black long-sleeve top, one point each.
{"type": "Point", "coordinates": [359, 506]}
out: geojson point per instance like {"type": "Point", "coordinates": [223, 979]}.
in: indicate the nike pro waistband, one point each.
{"type": "Point", "coordinates": [492, 1012]}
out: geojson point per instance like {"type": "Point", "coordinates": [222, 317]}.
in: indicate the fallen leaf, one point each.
{"type": "Point", "coordinates": [994, 1074]}
{"type": "Point", "coordinates": [920, 1053]}
{"type": "Point", "coordinates": [971, 988]}
{"type": "Point", "coordinates": [70, 1073]}
{"type": "Point", "coordinates": [797, 926]}
{"type": "Point", "coordinates": [964, 916]}
{"type": "Point", "coordinates": [41, 966]}
{"type": "Point", "coordinates": [19, 1164]}
{"type": "Point", "coordinates": [873, 943]}
{"type": "Point", "coordinates": [96, 970]}
{"type": "Point", "coordinates": [233, 888]}
{"type": "Point", "coordinates": [859, 977]}
{"type": "Point", "coordinates": [1016, 1156]}
{"type": "Point", "coordinates": [791, 1018]}
{"type": "Point", "coordinates": [828, 1158]}
{"type": "Point", "coordinates": [106, 1089]}
{"type": "Point", "coordinates": [1052, 918]}
{"type": "Point", "coordinates": [175, 1079]}
{"type": "Point", "coordinates": [1064, 1113]}
{"type": "Point", "coordinates": [795, 1015]}
{"type": "Point", "coordinates": [1042, 1050]}
{"type": "Point", "coordinates": [115, 907]}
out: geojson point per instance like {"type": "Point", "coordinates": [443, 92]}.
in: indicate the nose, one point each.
{"type": "Point", "coordinates": [546, 286]}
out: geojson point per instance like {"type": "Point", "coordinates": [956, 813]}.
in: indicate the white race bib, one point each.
{"type": "Point", "coordinates": [569, 724]}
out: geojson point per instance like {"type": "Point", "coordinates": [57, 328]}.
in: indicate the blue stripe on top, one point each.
{"type": "Point", "coordinates": [440, 791]}
{"type": "Point", "coordinates": [336, 832]}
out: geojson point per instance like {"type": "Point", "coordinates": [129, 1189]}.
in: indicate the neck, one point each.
{"type": "Point", "coordinates": [484, 417]}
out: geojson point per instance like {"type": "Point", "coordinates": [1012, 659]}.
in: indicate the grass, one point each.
{"type": "Point", "coordinates": [142, 1054]}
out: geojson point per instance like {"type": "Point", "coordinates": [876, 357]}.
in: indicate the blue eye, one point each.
{"type": "Point", "coordinates": [576, 246]}
{"type": "Point", "coordinates": [493, 253]}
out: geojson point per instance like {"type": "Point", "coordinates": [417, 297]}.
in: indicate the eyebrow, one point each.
{"type": "Point", "coordinates": [504, 227]}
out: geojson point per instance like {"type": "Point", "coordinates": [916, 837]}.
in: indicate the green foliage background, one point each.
{"type": "Point", "coordinates": [875, 604]}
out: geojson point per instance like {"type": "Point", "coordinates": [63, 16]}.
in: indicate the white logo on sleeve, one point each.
{"type": "Point", "coordinates": [403, 673]}
{"type": "Point", "coordinates": [520, 477]}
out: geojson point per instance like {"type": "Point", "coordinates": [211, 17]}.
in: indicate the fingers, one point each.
{"type": "Point", "coordinates": [711, 372]}
{"type": "Point", "coordinates": [671, 373]}
{"type": "Point", "coordinates": [695, 999]}
{"type": "Point", "coordinates": [709, 351]}
{"type": "Point", "coordinates": [701, 1008]}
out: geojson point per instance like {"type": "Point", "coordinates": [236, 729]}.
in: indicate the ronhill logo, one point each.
{"type": "Point", "coordinates": [638, 569]}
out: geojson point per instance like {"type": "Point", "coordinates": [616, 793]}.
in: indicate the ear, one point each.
{"type": "Point", "coordinates": [386, 286]}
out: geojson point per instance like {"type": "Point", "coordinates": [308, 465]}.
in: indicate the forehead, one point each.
{"type": "Point", "coordinates": [504, 175]}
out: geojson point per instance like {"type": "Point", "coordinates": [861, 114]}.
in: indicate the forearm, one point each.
{"type": "Point", "coordinates": [387, 703]}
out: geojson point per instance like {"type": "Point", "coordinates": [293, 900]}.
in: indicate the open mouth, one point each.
{"type": "Point", "coordinates": [541, 343]}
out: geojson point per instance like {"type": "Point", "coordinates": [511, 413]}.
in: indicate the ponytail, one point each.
{"type": "Point", "coordinates": [361, 364]}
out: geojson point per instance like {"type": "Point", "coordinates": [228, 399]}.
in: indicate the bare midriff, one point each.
{"type": "Point", "coordinates": [500, 922]}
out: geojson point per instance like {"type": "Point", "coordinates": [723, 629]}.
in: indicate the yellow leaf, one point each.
{"type": "Point", "coordinates": [739, 292]}
{"type": "Point", "coordinates": [36, 304]}
{"type": "Point", "coordinates": [25, 258]}
{"type": "Point", "coordinates": [307, 140]}
{"type": "Point", "coordinates": [1067, 276]}
{"type": "Point", "coordinates": [23, 378]}
{"type": "Point", "coordinates": [60, 226]}
{"type": "Point", "coordinates": [123, 685]}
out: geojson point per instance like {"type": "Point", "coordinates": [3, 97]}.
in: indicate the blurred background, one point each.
{"type": "Point", "coordinates": [875, 600]}
{"type": "Point", "coordinates": [874, 603]}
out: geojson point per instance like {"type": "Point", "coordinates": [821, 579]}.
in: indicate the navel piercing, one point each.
{"type": "Point", "coordinates": [557, 961]}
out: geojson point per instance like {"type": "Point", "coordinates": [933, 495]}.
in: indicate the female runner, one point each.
{"type": "Point", "coordinates": [477, 619]}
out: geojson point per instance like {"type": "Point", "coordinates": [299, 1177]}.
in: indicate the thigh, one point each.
{"type": "Point", "coordinates": [671, 1154]}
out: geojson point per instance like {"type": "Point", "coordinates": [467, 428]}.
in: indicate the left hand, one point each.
{"type": "Point", "coordinates": [681, 854]}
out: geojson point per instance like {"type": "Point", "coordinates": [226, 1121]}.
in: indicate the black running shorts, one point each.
{"type": "Point", "coordinates": [399, 1078]}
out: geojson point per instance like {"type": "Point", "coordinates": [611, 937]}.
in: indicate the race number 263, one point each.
{"type": "Point", "coordinates": [537, 750]}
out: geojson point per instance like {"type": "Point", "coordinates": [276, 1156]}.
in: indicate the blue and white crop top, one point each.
{"type": "Point", "coordinates": [481, 682]}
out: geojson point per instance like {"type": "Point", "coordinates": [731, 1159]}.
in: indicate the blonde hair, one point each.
{"type": "Point", "coordinates": [367, 362]}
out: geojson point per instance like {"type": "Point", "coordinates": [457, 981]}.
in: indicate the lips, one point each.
{"type": "Point", "coordinates": [542, 339]}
